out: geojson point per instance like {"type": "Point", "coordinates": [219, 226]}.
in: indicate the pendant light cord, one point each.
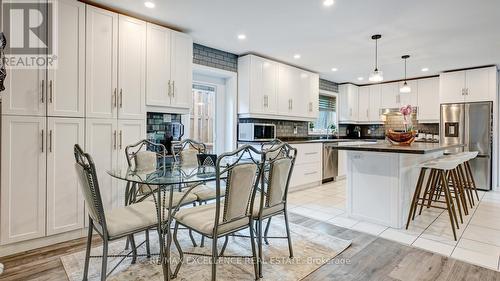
{"type": "Point", "coordinates": [376, 54]}
{"type": "Point", "coordinates": [405, 70]}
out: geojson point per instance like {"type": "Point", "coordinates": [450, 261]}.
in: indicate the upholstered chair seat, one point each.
{"type": "Point", "coordinates": [131, 218]}
{"type": "Point", "coordinates": [205, 192]}
{"type": "Point", "coordinates": [266, 211]}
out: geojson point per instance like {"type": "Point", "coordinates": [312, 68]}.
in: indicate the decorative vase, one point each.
{"type": "Point", "coordinates": [401, 138]}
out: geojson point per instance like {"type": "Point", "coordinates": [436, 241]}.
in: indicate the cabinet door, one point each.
{"type": "Point", "coordinates": [364, 104]}
{"type": "Point", "coordinates": [23, 171]}
{"type": "Point", "coordinates": [102, 144]}
{"type": "Point", "coordinates": [286, 85]}
{"type": "Point", "coordinates": [389, 95]}
{"type": "Point", "coordinates": [409, 98]}
{"type": "Point", "coordinates": [101, 63]}
{"type": "Point", "coordinates": [64, 196]}
{"type": "Point", "coordinates": [182, 70]}
{"type": "Point", "coordinates": [300, 105]}
{"type": "Point", "coordinates": [131, 68]}
{"type": "Point", "coordinates": [158, 79]}
{"type": "Point", "coordinates": [428, 100]}
{"type": "Point", "coordinates": [353, 101]}
{"type": "Point", "coordinates": [264, 85]}
{"type": "Point", "coordinates": [477, 83]}
{"type": "Point", "coordinates": [374, 104]}
{"type": "Point", "coordinates": [66, 83]}
{"type": "Point", "coordinates": [343, 108]}
{"type": "Point", "coordinates": [451, 87]}
{"type": "Point", "coordinates": [25, 92]}
{"type": "Point", "coordinates": [313, 109]}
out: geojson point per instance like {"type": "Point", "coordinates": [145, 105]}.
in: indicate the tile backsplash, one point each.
{"type": "Point", "coordinates": [283, 128]}
{"type": "Point", "coordinates": [395, 122]}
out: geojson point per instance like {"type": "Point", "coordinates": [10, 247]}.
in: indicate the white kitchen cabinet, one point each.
{"type": "Point", "coordinates": [101, 63]}
{"type": "Point", "coordinates": [313, 109]}
{"type": "Point", "coordinates": [23, 169]}
{"type": "Point", "coordinates": [342, 164]}
{"type": "Point", "coordinates": [158, 72]}
{"type": "Point", "coordinates": [169, 73]}
{"type": "Point", "coordinates": [131, 68]}
{"type": "Point", "coordinates": [389, 95]}
{"type": "Point", "coordinates": [473, 85]}
{"type": "Point", "coordinates": [348, 101]}
{"type": "Point", "coordinates": [102, 143]}
{"type": "Point", "coordinates": [25, 92]}
{"type": "Point", "coordinates": [374, 108]}
{"type": "Point", "coordinates": [428, 100]}
{"type": "Point", "coordinates": [364, 104]}
{"type": "Point", "coordinates": [257, 85]}
{"type": "Point", "coordinates": [308, 164]}
{"type": "Point", "coordinates": [182, 70]}
{"type": "Point", "coordinates": [65, 87]}
{"type": "Point", "coordinates": [409, 98]}
{"type": "Point", "coordinates": [268, 89]}
{"type": "Point", "coordinates": [64, 198]}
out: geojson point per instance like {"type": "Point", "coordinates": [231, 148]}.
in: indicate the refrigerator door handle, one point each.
{"type": "Point", "coordinates": [466, 137]}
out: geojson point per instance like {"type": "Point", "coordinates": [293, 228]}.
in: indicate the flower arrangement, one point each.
{"type": "Point", "coordinates": [406, 111]}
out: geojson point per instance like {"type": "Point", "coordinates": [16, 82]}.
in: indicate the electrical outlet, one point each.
{"type": "Point", "coordinates": [295, 130]}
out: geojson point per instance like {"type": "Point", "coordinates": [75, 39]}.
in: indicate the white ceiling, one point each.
{"type": "Point", "coordinates": [438, 34]}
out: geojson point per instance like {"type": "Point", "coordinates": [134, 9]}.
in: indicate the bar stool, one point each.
{"type": "Point", "coordinates": [441, 171]}
{"type": "Point", "coordinates": [468, 178]}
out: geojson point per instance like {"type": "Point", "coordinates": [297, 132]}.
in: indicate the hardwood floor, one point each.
{"type": "Point", "coordinates": [368, 258]}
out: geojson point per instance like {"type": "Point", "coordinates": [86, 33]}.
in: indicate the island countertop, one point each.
{"type": "Point", "coordinates": [384, 146]}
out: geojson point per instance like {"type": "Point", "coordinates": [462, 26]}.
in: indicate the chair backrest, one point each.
{"type": "Point", "coordinates": [243, 171]}
{"type": "Point", "coordinates": [279, 163]}
{"type": "Point", "coordinates": [187, 151]}
{"type": "Point", "coordinates": [86, 171]}
{"type": "Point", "coordinates": [144, 154]}
{"type": "Point", "coordinates": [270, 146]}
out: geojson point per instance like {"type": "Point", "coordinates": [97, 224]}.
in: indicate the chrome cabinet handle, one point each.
{"type": "Point", "coordinates": [310, 153]}
{"type": "Point", "coordinates": [367, 114]}
{"type": "Point", "coordinates": [121, 98]}
{"type": "Point", "coordinates": [50, 141]}
{"type": "Point", "coordinates": [173, 88]}
{"type": "Point", "coordinates": [43, 139]}
{"type": "Point", "coordinates": [168, 91]}
{"type": "Point", "coordinates": [43, 91]}
{"type": "Point", "coordinates": [121, 138]}
{"type": "Point", "coordinates": [114, 98]}
{"type": "Point", "coordinates": [310, 173]}
{"type": "Point", "coordinates": [291, 104]}
{"type": "Point", "coordinates": [265, 101]}
{"type": "Point", "coordinates": [50, 91]}
{"type": "Point", "coordinates": [114, 140]}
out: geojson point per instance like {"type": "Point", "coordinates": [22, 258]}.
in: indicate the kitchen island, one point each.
{"type": "Point", "coordinates": [381, 179]}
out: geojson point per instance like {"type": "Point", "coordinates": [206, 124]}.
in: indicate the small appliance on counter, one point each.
{"type": "Point", "coordinates": [353, 132]}
{"type": "Point", "coordinates": [256, 132]}
{"type": "Point", "coordinates": [164, 128]}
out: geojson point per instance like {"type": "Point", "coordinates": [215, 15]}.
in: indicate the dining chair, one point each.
{"type": "Point", "coordinates": [242, 170]}
{"type": "Point", "coordinates": [143, 156]}
{"type": "Point", "coordinates": [279, 161]}
{"type": "Point", "coordinates": [114, 224]}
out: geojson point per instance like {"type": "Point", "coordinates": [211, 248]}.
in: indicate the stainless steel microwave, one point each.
{"type": "Point", "coordinates": [256, 132]}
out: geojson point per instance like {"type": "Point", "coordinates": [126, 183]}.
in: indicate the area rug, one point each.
{"type": "Point", "coordinates": [311, 249]}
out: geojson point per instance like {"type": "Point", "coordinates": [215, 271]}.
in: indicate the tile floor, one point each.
{"type": "Point", "coordinates": [479, 235]}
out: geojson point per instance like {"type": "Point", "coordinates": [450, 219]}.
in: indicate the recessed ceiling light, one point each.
{"type": "Point", "coordinates": [328, 3]}
{"type": "Point", "coordinates": [296, 56]}
{"type": "Point", "coordinates": [425, 69]}
{"type": "Point", "coordinates": [334, 69]}
{"type": "Point", "coordinates": [242, 36]}
{"type": "Point", "coordinates": [361, 78]}
{"type": "Point", "coordinates": [149, 4]}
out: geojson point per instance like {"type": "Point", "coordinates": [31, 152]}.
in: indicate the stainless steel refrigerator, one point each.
{"type": "Point", "coordinates": [470, 124]}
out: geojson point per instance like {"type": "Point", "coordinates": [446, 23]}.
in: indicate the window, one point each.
{"type": "Point", "coordinates": [327, 118]}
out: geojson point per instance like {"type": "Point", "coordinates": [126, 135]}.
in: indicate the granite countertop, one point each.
{"type": "Point", "coordinates": [383, 146]}
{"type": "Point", "coordinates": [312, 140]}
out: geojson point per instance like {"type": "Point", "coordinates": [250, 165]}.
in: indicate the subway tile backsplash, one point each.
{"type": "Point", "coordinates": [284, 129]}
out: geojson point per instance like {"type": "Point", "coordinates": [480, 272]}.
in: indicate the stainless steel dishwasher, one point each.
{"type": "Point", "coordinates": [330, 161]}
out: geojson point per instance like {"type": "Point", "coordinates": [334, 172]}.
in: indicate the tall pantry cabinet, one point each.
{"type": "Point", "coordinates": [42, 118]}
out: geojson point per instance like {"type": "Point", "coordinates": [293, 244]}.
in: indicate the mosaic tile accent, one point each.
{"type": "Point", "coordinates": [214, 58]}
{"type": "Point", "coordinates": [283, 128]}
{"type": "Point", "coordinates": [156, 121]}
{"type": "Point", "coordinates": [328, 85]}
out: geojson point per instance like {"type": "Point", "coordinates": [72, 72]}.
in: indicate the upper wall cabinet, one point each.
{"type": "Point", "coordinates": [101, 63]}
{"type": "Point", "coordinates": [268, 89]}
{"type": "Point", "coordinates": [116, 65]}
{"type": "Point", "coordinates": [169, 67]}
{"type": "Point", "coordinates": [58, 90]}
{"type": "Point", "coordinates": [428, 100]}
{"type": "Point", "coordinates": [348, 103]}
{"type": "Point", "coordinates": [369, 104]}
{"type": "Point", "coordinates": [472, 85]}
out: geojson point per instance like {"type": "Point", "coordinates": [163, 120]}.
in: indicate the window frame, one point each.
{"type": "Point", "coordinates": [336, 121]}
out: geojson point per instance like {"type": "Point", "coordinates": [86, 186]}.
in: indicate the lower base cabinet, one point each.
{"type": "Point", "coordinates": [308, 164]}
{"type": "Point", "coordinates": [40, 195]}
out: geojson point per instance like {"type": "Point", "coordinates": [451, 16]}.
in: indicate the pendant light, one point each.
{"type": "Point", "coordinates": [376, 75]}
{"type": "Point", "coordinates": [405, 89]}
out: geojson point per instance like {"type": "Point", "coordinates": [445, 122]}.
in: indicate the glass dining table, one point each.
{"type": "Point", "coordinates": [160, 182]}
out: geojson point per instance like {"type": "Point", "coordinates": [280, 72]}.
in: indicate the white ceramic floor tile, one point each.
{"type": "Point", "coordinates": [483, 234]}
{"type": "Point", "coordinates": [485, 260]}
{"type": "Point", "coordinates": [343, 221]}
{"type": "Point", "coordinates": [486, 219]}
{"type": "Point", "coordinates": [479, 247]}
{"type": "Point", "coordinates": [368, 227]}
{"type": "Point", "coordinates": [398, 235]}
{"type": "Point", "coordinates": [433, 246]}
{"type": "Point", "coordinates": [318, 215]}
